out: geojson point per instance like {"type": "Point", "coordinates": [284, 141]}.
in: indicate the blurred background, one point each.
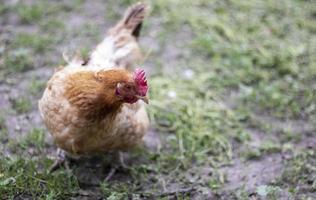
{"type": "Point", "coordinates": [233, 92]}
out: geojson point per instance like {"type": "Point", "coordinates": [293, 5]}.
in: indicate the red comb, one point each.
{"type": "Point", "coordinates": [141, 82]}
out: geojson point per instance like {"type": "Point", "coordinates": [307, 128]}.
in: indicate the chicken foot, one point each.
{"type": "Point", "coordinates": [119, 159]}
{"type": "Point", "coordinates": [61, 159]}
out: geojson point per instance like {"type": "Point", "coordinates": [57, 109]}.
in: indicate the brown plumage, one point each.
{"type": "Point", "coordinates": [95, 107]}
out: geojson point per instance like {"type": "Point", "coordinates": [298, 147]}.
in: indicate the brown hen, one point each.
{"type": "Point", "coordinates": [92, 107]}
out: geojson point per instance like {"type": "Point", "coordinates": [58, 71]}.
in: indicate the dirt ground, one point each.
{"type": "Point", "coordinates": [233, 92]}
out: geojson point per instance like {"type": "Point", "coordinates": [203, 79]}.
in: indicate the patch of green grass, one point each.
{"type": "Point", "coordinates": [36, 86]}
{"type": "Point", "coordinates": [115, 191]}
{"type": "Point", "coordinates": [269, 147]}
{"type": "Point", "coordinates": [274, 66]}
{"type": "Point", "coordinates": [3, 9]}
{"type": "Point", "coordinates": [285, 98]}
{"type": "Point", "coordinates": [70, 6]}
{"type": "Point", "coordinates": [88, 30]}
{"type": "Point", "coordinates": [30, 13]}
{"type": "Point", "coordinates": [22, 51]}
{"type": "Point", "coordinates": [241, 194]}
{"type": "Point", "coordinates": [252, 154]}
{"type": "Point", "coordinates": [18, 60]}
{"type": "Point", "coordinates": [255, 153]}
{"type": "Point", "coordinates": [34, 138]}
{"type": "Point", "coordinates": [37, 12]}
{"type": "Point", "coordinates": [188, 109]}
{"type": "Point", "coordinates": [2, 121]}
{"type": "Point", "coordinates": [52, 25]}
{"type": "Point", "coordinates": [268, 191]}
{"type": "Point", "coordinates": [216, 183]}
{"type": "Point", "coordinates": [299, 174]}
{"type": "Point", "coordinates": [35, 42]}
{"type": "Point", "coordinates": [24, 178]}
{"type": "Point", "coordinates": [290, 136]}
{"type": "Point", "coordinates": [22, 104]}
{"type": "Point", "coordinates": [84, 53]}
{"type": "Point", "coordinates": [3, 128]}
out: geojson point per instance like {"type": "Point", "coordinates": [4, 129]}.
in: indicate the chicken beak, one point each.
{"type": "Point", "coordinates": [143, 98]}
